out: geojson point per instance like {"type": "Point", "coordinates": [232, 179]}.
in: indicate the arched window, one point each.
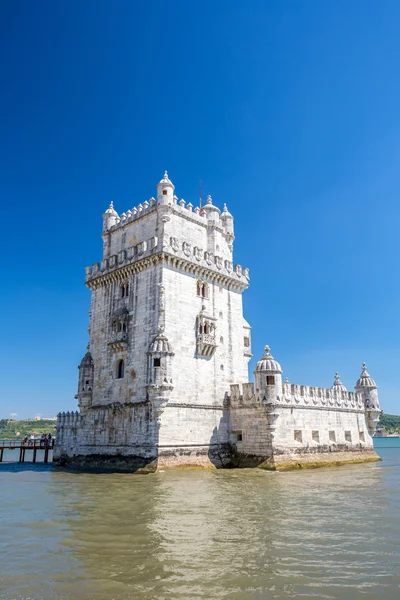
{"type": "Point", "coordinates": [202, 289]}
{"type": "Point", "coordinates": [121, 369]}
{"type": "Point", "coordinates": [125, 290]}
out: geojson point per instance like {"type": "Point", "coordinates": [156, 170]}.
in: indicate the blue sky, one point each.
{"type": "Point", "coordinates": [288, 111]}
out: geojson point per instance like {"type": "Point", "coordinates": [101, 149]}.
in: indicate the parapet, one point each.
{"type": "Point", "coordinates": [242, 394]}
{"type": "Point", "coordinates": [68, 419]}
{"type": "Point", "coordinates": [304, 395]}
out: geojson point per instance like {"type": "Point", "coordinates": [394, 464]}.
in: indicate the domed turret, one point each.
{"type": "Point", "coordinates": [268, 376]}
{"type": "Point", "coordinates": [268, 363]}
{"type": "Point", "coordinates": [365, 380]}
{"type": "Point", "coordinates": [165, 191]}
{"type": "Point", "coordinates": [212, 212]}
{"type": "Point", "coordinates": [110, 217]}
{"type": "Point", "coordinates": [338, 385]}
{"type": "Point", "coordinates": [227, 221]}
{"type": "Point", "coordinates": [369, 390]}
{"type": "Point", "coordinates": [85, 383]}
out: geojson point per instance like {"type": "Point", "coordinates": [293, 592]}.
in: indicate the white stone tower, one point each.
{"type": "Point", "coordinates": [167, 333]}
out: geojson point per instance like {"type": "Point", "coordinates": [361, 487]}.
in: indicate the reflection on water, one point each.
{"type": "Point", "coordinates": [324, 533]}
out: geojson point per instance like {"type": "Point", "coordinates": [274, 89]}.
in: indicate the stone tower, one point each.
{"type": "Point", "coordinates": [167, 333]}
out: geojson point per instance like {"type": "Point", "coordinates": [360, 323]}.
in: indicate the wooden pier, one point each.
{"type": "Point", "coordinates": [34, 445]}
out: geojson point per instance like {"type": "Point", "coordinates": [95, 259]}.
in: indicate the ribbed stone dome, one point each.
{"type": "Point", "coordinates": [111, 210]}
{"type": "Point", "coordinates": [365, 380]}
{"type": "Point", "coordinates": [337, 384]}
{"type": "Point", "coordinates": [161, 344]}
{"type": "Point", "coordinates": [87, 360]}
{"type": "Point", "coordinates": [267, 362]}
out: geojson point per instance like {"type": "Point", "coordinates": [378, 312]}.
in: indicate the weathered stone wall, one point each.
{"type": "Point", "coordinates": [304, 421]}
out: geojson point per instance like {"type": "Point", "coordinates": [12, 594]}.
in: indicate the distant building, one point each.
{"type": "Point", "coordinates": [165, 379]}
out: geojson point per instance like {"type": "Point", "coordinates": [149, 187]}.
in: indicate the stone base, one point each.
{"type": "Point", "coordinates": [193, 457]}
{"type": "Point", "coordinates": [285, 462]}
{"type": "Point", "coordinates": [213, 457]}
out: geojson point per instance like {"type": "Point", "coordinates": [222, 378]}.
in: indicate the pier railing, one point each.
{"type": "Point", "coordinates": [34, 445]}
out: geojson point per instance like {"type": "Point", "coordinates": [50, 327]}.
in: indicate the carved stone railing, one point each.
{"type": "Point", "coordinates": [119, 341]}
{"type": "Point", "coordinates": [302, 396]}
{"type": "Point", "coordinates": [206, 344]}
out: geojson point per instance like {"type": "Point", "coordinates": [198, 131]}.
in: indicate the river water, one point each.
{"type": "Point", "coordinates": [212, 535]}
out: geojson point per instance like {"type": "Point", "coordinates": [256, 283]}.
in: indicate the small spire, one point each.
{"type": "Point", "coordinates": [364, 367]}
{"type": "Point", "coordinates": [209, 199]}
{"type": "Point", "coordinates": [267, 351]}
{"type": "Point", "coordinates": [225, 207]}
{"type": "Point", "coordinates": [111, 204]}
{"type": "Point", "coordinates": [287, 380]}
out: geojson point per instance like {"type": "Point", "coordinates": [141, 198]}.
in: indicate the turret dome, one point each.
{"type": "Point", "coordinates": [268, 363]}
{"type": "Point", "coordinates": [161, 344]}
{"type": "Point", "coordinates": [87, 360]}
{"type": "Point", "coordinates": [365, 380]}
{"type": "Point", "coordinates": [165, 181]}
{"type": "Point", "coordinates": [338, 385]}
{"type": "Point", "coordinates": [225, 213]}
{"type": "Point", "coordinates": [111, 210]}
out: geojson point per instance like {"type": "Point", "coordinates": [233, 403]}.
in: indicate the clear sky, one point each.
{"type": "Point", "coordinates": [288, 111]}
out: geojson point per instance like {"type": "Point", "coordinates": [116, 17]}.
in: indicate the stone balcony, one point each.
{"type": "Point", "coordinates": [206, 344]}
{"type": "Point", "coordinates": [119, 341]}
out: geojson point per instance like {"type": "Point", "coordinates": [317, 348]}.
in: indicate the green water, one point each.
{"type": "Point", "coordinates": [237, 535]}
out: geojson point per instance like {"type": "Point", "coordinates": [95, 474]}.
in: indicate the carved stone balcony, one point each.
{"type": "Point", "coordinates": [119, 342]}
{"type": "Point", "coordinates": [206, 344]}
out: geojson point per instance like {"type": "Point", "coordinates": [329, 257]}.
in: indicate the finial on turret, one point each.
{"type": "Point", "coordinates": [267, 349]}
{"type": "Point", "coordinates": [337, 384]}
{"type": "Point", "coordinates": [209, 199]}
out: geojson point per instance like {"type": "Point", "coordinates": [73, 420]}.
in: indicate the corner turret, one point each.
{"type": "Point", "coordinates": [268, 376]}
{"type": "Point", "coordinates": [165, 191]}
{"type": "Point", "coordinates": [85, 383]}
{"type": "Point", "coordinates": [369, 390]}
{"type": "Point", "coordinates": [110, 218]}
{"type": "Point", "coordinates": [211, 212]}
{"type": "Point", "coordinates": [338, 385]}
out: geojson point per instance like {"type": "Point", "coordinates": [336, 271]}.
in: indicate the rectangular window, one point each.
{"type": "Point", "coordinates": [246, 342]}
{"type": "Point", "coordinates": [332, 436]}
{"type": "Point", "coordinates": [347, 436]}
{"type": "Point", "coordinates": [315, 436]}
{"type": "Point", "coordinates": [157, 362]}
{"type": "Point", "coordinates": [239, 435]}
{"type": "Point", "coordinates": [270, 380]}
{"type": "Point", "coordinates": [362, 436]}
{"type": "Point", "coordinates": [298, 437]}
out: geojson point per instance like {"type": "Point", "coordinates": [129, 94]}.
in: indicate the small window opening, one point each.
{"type": "Point", "coordinates": [202, 289]}
{"type": "Point", "coordinates": [239, 436]}
{"type": "Point", "coordinates": [119, 327]}
{"type": "Point", "coordinates": [121, 369]}
{"type": "Point", "coordinates": [125, 290]}
{"type": "Point", "coordinates": [315, 436]}
{"type": "Point", "coordinates": [347, 436]}
{"type": "Point", "coordinates": [87, 381]}
{"type": "Point", "coordinates": [362, 436]}
{"type": "Point", "coordinates": [124, 327]}
{"type": "Point", "coordinates": [298, 437]}
{"type": "Point", "coordinates": [246, 342]}
{"type": "Point", "coordinates": [157, 362]}
{"type": "Point", "coordinates": [270, 380]}
{"type": "Point", "coordinates": [332, 436]}
{"type": "Point", "coordinates": [164, 192]}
